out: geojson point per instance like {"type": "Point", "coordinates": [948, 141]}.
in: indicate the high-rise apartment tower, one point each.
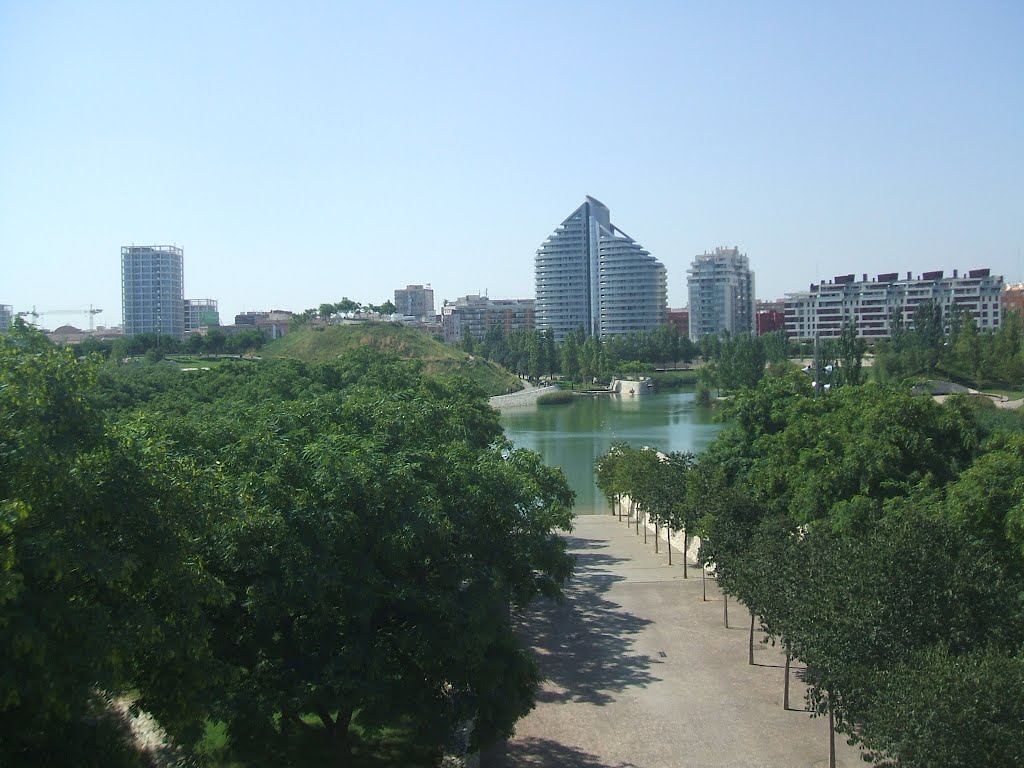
{"type": "Point", "coordinates": [591, 275]}
{"type": "Point", "coordinates": [721, 294]}
{"type": "Point", "coordinates": [415, 301]}
{"type": "Point", "coordinates": [152, 290]}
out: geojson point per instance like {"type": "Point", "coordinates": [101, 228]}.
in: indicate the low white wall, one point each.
{"type": "Point", "coordinates": [676, 541]}
{"type": "Point", "coordinates": [631, 388]}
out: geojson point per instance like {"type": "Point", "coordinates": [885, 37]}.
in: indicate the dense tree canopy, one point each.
{"type": "Point", "coordinates": [876, 535]}
{"type": "Point", "coordinates": [100, 587]}
{"type": "Point", "coordinates": [280, 547]}
{"type": "Point", "coordinates": [583, 358]}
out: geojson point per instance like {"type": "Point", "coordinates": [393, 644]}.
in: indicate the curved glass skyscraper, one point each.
{"type": "Point", "coordinates": [592, 275]}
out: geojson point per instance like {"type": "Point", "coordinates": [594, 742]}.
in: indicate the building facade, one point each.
{"type": "Point", "coordinates": [274, 324]}
{"type": "Point", "coordinates": [870, 305]}
{"type": "Point", "coordinates": [721, 289]}
{"type": "Point", "coordinates": [152, 290]}
{"type": "Point", "coordinates": [201, 313]}
{"type": "Point", "coordinates": [415, 301]}
{"type": "Point", "coordinates": [680, 320]}
{"type": "Point", "coordinates": [1013, 299]}
{"type": "Point", "coordinates": [770, 316]}
{"type": "Point", "coordinates": [478, 314]}
{"type": "Point", "coordinates": [6, 317]}
{"type": "Point", "coordinates": [589, 274]}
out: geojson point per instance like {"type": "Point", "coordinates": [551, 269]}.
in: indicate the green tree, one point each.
{"type": "Point", "coordinates": [552, 352]}
{"type": "Point", "coordinates": [215, 341]}
{"type": "Point", "coordinates": [302, 319]}
{"type": "Point", "coordinates": [571, 356]}
{"type": "Point", "coordinates": [588, 359]}
{"type": "Point", "coordinates": [608, 475]}
{"type": "Point", "coordinates": [100, 588]}
{"type": "Point", "coordinates": [929, 331]}
{"type": "Point", "coordinates": [533, 356]}
{"type": "Point", "coordinates": [851, 350]}
{"type": "Point", "coordinates": [938, 708]}
{"type": "Point", "coordinates": [382, 531]}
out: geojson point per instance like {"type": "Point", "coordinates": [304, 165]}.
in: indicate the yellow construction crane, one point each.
{"type": "Point", "coordinates": [91, 311]}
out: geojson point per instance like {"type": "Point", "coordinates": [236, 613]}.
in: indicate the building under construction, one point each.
{"type": "Point", "coordinates": [152, 290]}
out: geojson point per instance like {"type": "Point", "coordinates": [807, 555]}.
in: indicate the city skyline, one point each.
{"type": "Point", "coordinates": [282, 151]}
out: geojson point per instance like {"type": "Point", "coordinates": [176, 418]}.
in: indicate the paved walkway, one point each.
{"type": "Point", "coordinates": [526, 396]}
{"type": "Point", "coordinates": [643, 674]}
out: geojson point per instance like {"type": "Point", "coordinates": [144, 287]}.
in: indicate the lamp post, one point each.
{"type": "Point", "coordinates": [817, 368]}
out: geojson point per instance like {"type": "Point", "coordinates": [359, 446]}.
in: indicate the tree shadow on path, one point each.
{"type": "Point", "coordinates": [530, 752]}
{"type": "Point", "coordinates": [583, 644]}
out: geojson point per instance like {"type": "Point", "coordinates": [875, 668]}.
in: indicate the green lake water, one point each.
{"type": "Point", "coordinates": [573, 435]}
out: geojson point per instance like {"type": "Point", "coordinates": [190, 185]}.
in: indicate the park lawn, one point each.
{"type": "Point", "coordinates": [204, 361]}
{"type": "Point", "coordinates": [313, 345]}
{"type": "Point", "coordinates": [393, 747]}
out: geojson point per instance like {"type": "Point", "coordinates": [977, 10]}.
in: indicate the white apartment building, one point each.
{"type": "Point", "coordinates": [479, 313]}
{"type": "Point", "coordinates": [6, 317]}
{"type": "Point", "coordinates": [721, 294]}
{"type": "Point", "coordinates": [869, 304]}
{"type": "Point", "coordinates": [590, 274]}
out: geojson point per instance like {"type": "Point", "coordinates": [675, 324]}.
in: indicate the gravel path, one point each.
{"type": "Point", "coordinates": [641, 673]}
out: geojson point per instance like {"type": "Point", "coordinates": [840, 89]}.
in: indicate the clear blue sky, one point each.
{"type": "Point", "coordinates": [302, 152]}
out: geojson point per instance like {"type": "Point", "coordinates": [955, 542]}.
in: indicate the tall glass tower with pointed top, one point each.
{"type": "Point", "coordinates": [591, 275]}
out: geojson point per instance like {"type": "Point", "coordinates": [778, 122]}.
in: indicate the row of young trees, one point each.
{"type": "Point", "coordinates": [953, 344]}
{"type": "Point", "coordinates": [327, 310]}
{"type": "Point", "coordinates": [579, 357]}
{"type": "Point", "coordinates": [155, 346]}
{"type": "Point", "coordinates": [736, 362]}
{"type": "Point", "coordinates": [879, 538]}
{"type": "Point", "coordinates": [282, 548]}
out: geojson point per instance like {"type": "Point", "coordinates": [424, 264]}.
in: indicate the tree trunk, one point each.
{"type": "Point", "coordinates": [750, 642]}
{"type": "Point", "coordinates": [831, 738]}
{"type": "Point", "coordinates": [686, 547]}
{"type": "Point", "coordinates": [704, 581]}
{"type": "Point", "coordinates": [669, 537]}
{"type": "Point", "coordinates": [725, 608]}
{"type": "Point", "coordinates": [645, 526]}
{"type": "Point", "coordinates": [785, 692]}
{"type": "Point", "coordinates": [340, 738]}
{"type": "Point", "coordinates": [656, 538]}
{"type": "Point", "coordinates": [336, 732]}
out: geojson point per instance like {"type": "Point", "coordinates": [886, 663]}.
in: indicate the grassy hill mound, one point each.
{"type": "Point", "coordinates": [320, 344]}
